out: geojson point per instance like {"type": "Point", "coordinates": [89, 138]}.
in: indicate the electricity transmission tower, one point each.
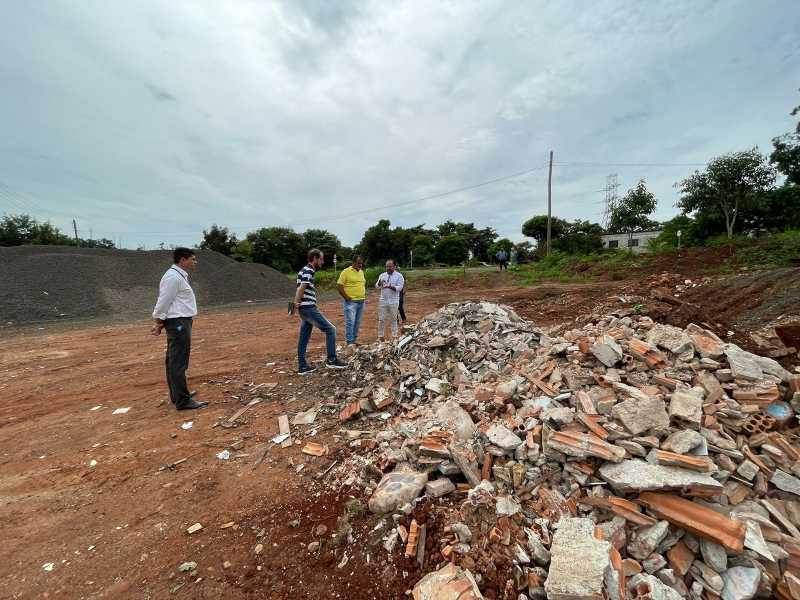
{"type": "Point", "coordinates": [611, 198]}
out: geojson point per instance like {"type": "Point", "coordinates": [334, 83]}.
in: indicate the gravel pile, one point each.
{"type": "Point", "coordinates": [41, 283]}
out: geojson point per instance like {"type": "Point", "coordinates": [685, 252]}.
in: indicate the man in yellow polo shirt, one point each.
{"type": "Point", "coordinates": [352, 288]}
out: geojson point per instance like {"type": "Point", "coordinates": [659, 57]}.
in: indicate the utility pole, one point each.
{"type": "Point", "coordinates": [549, 200]}
{"type": "Point", "coordinates": [75, 229]}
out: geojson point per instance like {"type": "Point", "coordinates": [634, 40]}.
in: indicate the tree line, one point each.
{"type": "Point", "coordinates": [735, 194]}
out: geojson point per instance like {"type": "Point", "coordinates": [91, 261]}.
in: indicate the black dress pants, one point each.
{"type": "Point", "coordinates": [179, 344]}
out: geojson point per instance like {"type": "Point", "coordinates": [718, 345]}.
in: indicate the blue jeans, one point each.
{"type": "Point", "coordinates": [352, 319]}
{"type": "Point", "coordinates": [309, 318]}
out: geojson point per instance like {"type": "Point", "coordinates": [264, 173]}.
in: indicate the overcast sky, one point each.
{"type": "Point", "coordinates": [149, 120]}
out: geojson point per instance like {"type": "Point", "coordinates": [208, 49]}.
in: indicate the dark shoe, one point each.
{"type": "Point", "coordinates": [191, 405]}
{"type": "Point", "coordinates": [306, 370]}
{"type": "Point", "coordinates": [335, 364]}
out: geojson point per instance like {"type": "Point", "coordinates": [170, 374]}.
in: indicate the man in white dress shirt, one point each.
{"type": "Point", "coordinates": [174, 310]}
{"type": "Point", "coordinates": [390, 284]}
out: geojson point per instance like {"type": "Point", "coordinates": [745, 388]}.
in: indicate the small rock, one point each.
{"type": "Point", "coordinates": [448, 582]}
{"type": "Point", "coordinates": [640, 415]}
{"type": "Point", "coordinates": [258, 549]}
{"type": "Point", "coordinates": [314, 546]}
{"type": "Point", "coordinates": [187, 566]}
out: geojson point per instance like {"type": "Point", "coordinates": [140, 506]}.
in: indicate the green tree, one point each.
{"type": "Point", "coordinates": [536, 228]}
{"type": "Point", "coordinates": [243, 251]}
{"type": "Point", "coordinates": [452, 250]}
{"type": "Point", "coordinates": [219, 240]}
{"type": "Point", "coordinates": [580, 237]}
{"type": "Point", "coordinates": [786, 152]}
{"type": "Point", "coordinates": [279, 247]}
{"type": "Point", "coordinates": [376, 244]}
{"type": "Point", "coordinates": [690, 233]}
{"type": "Point", "coordinates": [632, 212]}
{"type": "Point", "coordinates": [478, 240]}
{"type": "Point", "coordinates": [423, 248]}
{"type": "Point", "coordinates": [325, 241]}
{"type": "Point", "coordinates": [16, 230]}
{"type": "Point", "coordinates": [731, 186]}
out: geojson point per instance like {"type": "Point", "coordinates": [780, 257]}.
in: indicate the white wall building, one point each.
{"type": "Point", "coordinates": [638, 242]}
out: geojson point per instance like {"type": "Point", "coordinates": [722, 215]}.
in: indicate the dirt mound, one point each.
{"type": "Point", "coordinates": [51, 282]}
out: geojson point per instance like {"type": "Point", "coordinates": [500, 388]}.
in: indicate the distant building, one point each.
{"type": "Point", "coordinates": [638, 242]}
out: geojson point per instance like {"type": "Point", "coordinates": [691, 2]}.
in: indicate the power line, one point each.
{"type": "Point", "coordinates": [602, 164]}
{"type": "Point", "coordinates": [424, 198]}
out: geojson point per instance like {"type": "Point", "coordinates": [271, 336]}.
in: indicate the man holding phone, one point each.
{"type": "Point", "coordinates": [390, 283]}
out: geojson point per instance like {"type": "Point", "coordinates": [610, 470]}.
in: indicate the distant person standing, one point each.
{"type": "Point", "coordinates": [514, 257]}
{"type": "Point", "coordinates": [305, 304]}
{"type": "Point", "coordinates": [174, 311]}
{"type": "Point", "coordinates": [401, 313]}
{"type": "Point", "coordinates": [502, 259]}
{"type": "Point", "coordinates": [352, 288]}
{"type": "Point", "coordinates": [390, 284]}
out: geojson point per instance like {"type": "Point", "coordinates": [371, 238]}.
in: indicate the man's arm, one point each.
{"type": "Point", "coordinates": [379, 283]}
{"type": "Point", "coordinates": [400, 284]}
{"type": "Point", "coordinates": [298, 296]}
{"type": "Point", "coordinates": [342, 293]}
{"type": "Point", "coordinates": [167, 291]}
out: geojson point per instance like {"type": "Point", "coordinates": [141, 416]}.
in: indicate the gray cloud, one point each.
{"type": "Point", "coordinates": [150, 120]}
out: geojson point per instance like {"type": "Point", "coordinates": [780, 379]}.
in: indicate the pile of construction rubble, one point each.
{"type": "Point", "coordinates": [625, 459]}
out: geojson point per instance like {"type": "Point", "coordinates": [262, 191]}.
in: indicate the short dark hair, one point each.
{"type": "Point", "coordinates": [314, 253]}
{"type": "Point", "coordinates": [391, 260]}
{"type": "Point", "coordinates": [180, 253]}
{"type": "Point", "coordinates": [357, 258]}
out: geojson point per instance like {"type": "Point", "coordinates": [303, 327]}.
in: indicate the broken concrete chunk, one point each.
{"type": "Point", "coordinates": [501, 437]}
{"type": "Point", "coordinates": [673, 339]}
{"type": "Point", "coordinates": [743, 365]}
{"type": "Point", "coordinates": [638, 476]}
{"type": "Point", "coordinates": [687, 404]}
{"type": "Point", "coordinates": [439, 487]}
{"type": "Point", "coordinates": [740, 583]}
{"type": "Point", "coordinates": [681, 442]}
{"type": "Point", "coordinates": [639, 416]}
{"type": "Point", "coordinates": [714, 555]}
{"type": "Point", "coordinates": [448, 583]}
{"type": "Point", "coordinates": [607, 351]}
{"type": "Point", "coordinates": [647, 539]}
{"type": "Point", "coordinates": [787, 483]}
{"type": "Point", "coordinates": [456, 419]}
{"type": "Point", "coordinates": [748, 470]}
{"type": "Point", "coordinates": [397, 489]}
{"type": "Point", "coordinates": [578, 562]}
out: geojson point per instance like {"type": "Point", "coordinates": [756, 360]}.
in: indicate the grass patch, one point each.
{"type": "Point", "coordinates": [777, 250]}
{"type": "Point", "coordinates": [572, 268]}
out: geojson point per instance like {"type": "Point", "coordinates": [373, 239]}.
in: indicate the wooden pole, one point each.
{"type": "Point", "coordinates": [75, 229]}
{"type": "Point", "coordinates": [549, 200]}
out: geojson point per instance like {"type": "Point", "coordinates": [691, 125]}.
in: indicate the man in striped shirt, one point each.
{"type": "Point", "coordinates": [305, 304]}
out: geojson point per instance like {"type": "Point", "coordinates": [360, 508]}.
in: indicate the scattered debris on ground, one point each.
{"type": "Point", "coordinates": [623, 459]}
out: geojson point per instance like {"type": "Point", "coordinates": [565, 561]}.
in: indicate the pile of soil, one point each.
{"type": "Point", "coordinates": [41, 283]}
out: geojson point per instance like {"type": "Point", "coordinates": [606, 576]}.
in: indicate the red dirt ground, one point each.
{"type": "Point", "coordinates": [118, 529]}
